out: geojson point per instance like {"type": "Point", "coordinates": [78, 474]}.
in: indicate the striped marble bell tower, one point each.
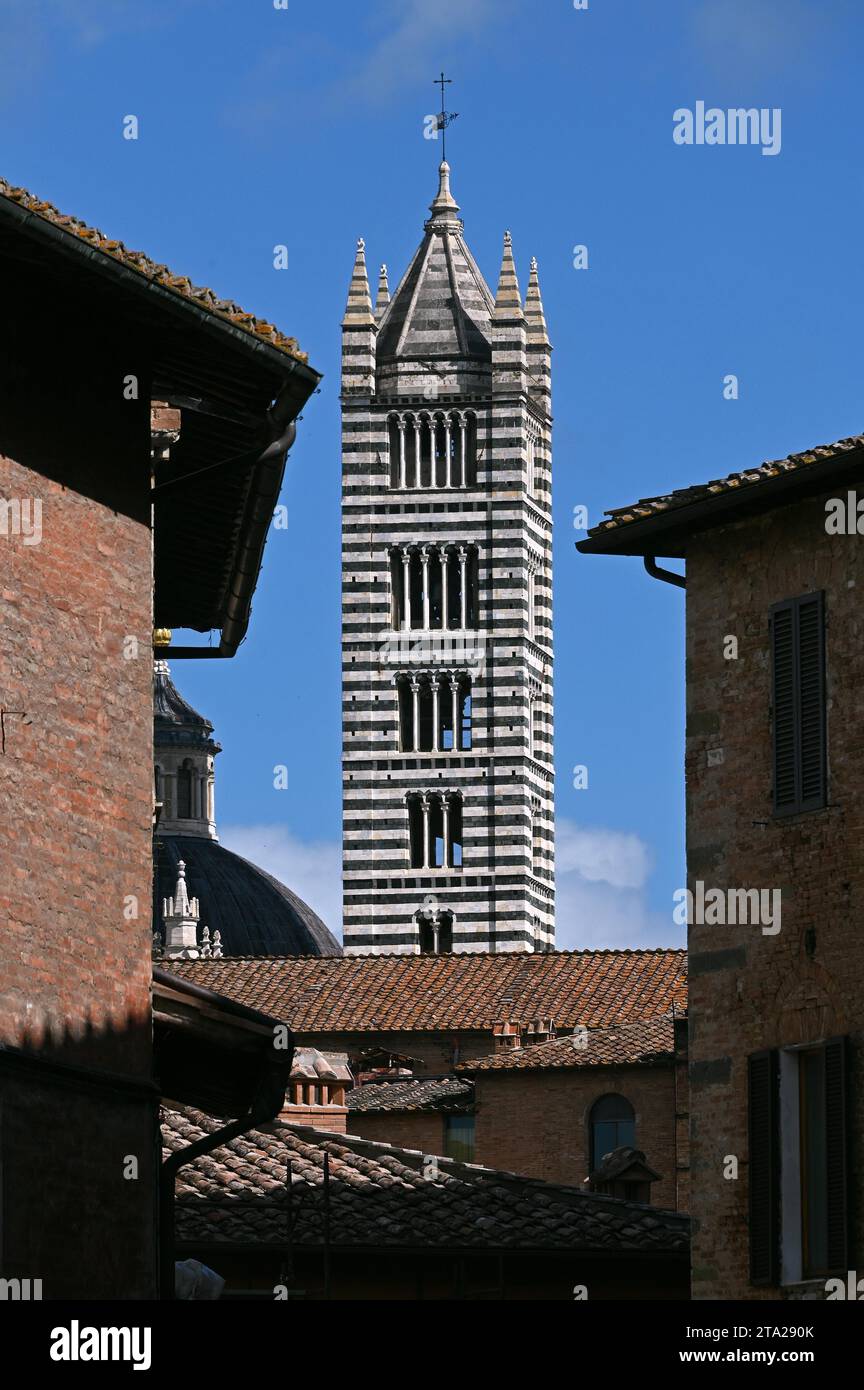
{"type": "Point", "coordinates": [448, 830]}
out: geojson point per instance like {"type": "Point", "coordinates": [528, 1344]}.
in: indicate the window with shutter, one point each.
{"type": "Point", "coordinates": [764, 1143]}
{"type": "Point", "coordinates": [814, 1206]}
{"type": "Point", "coordinates": [798, 696]}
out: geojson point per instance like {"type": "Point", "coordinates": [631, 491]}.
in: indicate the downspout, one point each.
{"type": "Point", "coordinates": [260, 1114]}
{"type": "Point", "coordinates": [668, 576]}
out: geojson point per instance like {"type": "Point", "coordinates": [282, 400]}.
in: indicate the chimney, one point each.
{"type": "Point", "coordinates": [506, 1036]}
{"type": "Point", "coordinates": [316, 1090]}
{"type": "Point", "coordinates": [539, 1030]}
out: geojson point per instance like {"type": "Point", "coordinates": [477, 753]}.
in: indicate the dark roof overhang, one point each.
{"type": "Point", "coordinates": [213, 1053]}
{"type": "Point", "coordinates": [239, 395]}
{"type": "Point", "coordinates": [668, 532]}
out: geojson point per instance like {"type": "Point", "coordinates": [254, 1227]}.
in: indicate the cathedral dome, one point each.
{"type": "Point", "coordinates": [254, 913]}
{"type": "Point", "coordinates": [200, 888]}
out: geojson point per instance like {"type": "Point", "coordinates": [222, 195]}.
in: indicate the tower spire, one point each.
{"type": "Point", "coordinates": [444, 208]}
{"type": "Point", "coordinates": [534, 315]}
{"type": "Point", "coordinates": [508, 300]}
{"type": "Point", "coordinates": [383, 297]}
{"type": "Point", "coordinates": [358, 311]}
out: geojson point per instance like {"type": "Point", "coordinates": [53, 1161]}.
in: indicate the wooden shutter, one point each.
{"type": "Point", "coordinates": [764, 1166]}
{"type": "Point", "coordinates": [836, 1153]}
{"type": "Point", "coordinates": [798, 697]}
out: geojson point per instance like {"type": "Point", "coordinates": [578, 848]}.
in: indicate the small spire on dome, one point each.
{"type": "Point", "coordinates": [358, 312]}
{"type": "Point", "coordinates": [534, 315]}
{"type": "Point", "coordinates": [383, 297]}
{"type": "Point", "coordinates": [508, 300]}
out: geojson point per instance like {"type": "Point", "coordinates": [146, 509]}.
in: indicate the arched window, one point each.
{"type": "Point", "coordinates": [613, 1123]}
{"type": "Point", "coordinates": [184, 792]}
{"type": "Point", "coordinates": [436, 932]}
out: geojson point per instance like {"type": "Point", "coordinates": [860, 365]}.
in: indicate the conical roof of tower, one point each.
{"type": "Point", "coordinates": [174, 719]}
{"type": "Point", "coordinates": [442, 307]}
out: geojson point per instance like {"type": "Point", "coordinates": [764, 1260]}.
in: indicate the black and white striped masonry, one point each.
{"type": "Point", "coordinates": [448, 812]}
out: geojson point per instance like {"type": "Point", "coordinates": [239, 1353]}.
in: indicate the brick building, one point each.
{"type": "Point", "coordinates": [442, 1010]}
{"type": "Point", "coordinates": [101, 538]}
{"type": "Point", "coordinates": [553, 1109]}
{"type": "Point", "coordinates": [550, 1109]}
{"type": "Point", "coordinates": [419, 1031]}
{"type": "Point", "coordinates": [775, 670]}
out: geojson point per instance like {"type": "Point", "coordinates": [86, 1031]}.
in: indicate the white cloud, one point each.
{"type": "Point", "coordinates": [311, 870]}
{"type": "Point", "coordinates": [601, 892]}
{"type": "Point", "coordinates": [605, 856]}
{"type": "Point", "coordinates": [602, 877]}
{"type": "Point", "coordinates": [409, 53]}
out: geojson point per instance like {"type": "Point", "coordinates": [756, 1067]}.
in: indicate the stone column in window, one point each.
{"type": "Point", "coordinates": [446, 556]}
{"type": "Point", "coordinates": [463, 430]}
{"type": "Point", "coordinates": [424, 802]}
{"type": "Point", "coordinates": [446, 857]}
{"type": "Point", "coordinates": [463, 587]}
{"type": "Point", "coordinates": [403, 466]}
{"type": "Point", "coordinates": [436, 931]}
{"type": "Point", "coordinates": [406, 588]}
{"type": "Point", "coordinates": [454, 691]}
{"type": "Point", "coordinates": [436, 716]}
{"type": "Point", "coordinates": [424, 560]}
{"type": "Point", "coordinates": [415, 713]}
{"type": "Point", "coordinates": [418, 425]}
{"type": "Point", "coordinates": [447, 446]}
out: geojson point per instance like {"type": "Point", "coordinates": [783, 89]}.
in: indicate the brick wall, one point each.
{"type": "Point", "coordinates": [437, 1051]}
{"type": "Point", "coordinates": [76, 792]}
{"type": "Point", "coordinates": [537, 1122]}
{"type": "Point", "coordinates": [75, 825]}
{"type": "Point", "coordinates": [750, 991]}
{"type": "Point", "coordinates": [408, 1129]}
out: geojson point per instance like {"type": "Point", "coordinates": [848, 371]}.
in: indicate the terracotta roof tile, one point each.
{"type": "Point", "coordinates": [774, 468]}
{"type": "Point", "coordinates": [429, 993]}
{"type": "Point", "coordinates": [631, 1044]}
{"type": "Point", "coordinates": [379, 1196]}
{"type": "Point", "coordinates": [136, 260]}
{"type": "Point", "coordinates": [447, 1094]}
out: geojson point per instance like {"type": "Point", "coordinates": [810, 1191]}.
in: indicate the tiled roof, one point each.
{"type": "Point", "coordinates": [151, 270]}
{"type": "Point", "coordinates": [430, 993]}
{"type": "Point", "coordinates": [447, 1094]}
{"type": "Point", "coordinates": [764, 473]}
{"type": "Point", "coordinates": [625, 1045]}
{"type": "Point", "coordinates": [379, 1197]}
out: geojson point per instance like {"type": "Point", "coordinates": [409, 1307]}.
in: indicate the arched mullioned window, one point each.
{"type": "Point", "coordinates": [435, 930]}
{"type": "Point", "coordinates": [435, 830]}
{"type": "Point", "coordinates": [612, 1123]}
{"type": "Point", "coordinates": [432, 449]}
{"type": "Point", "coordinates": [434, 587]}
{"type": "Point", "coordinates": [434, 711]}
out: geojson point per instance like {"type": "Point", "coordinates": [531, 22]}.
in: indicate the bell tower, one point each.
{"type": "Point", "coordinates": [448, 819]}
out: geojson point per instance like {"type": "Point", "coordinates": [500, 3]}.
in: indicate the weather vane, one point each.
{"type": "Point", "coordinates": [444, 117]}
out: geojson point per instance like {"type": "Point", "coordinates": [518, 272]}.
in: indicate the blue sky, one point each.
{"type": "Point", "coordinates": [304, 126]}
